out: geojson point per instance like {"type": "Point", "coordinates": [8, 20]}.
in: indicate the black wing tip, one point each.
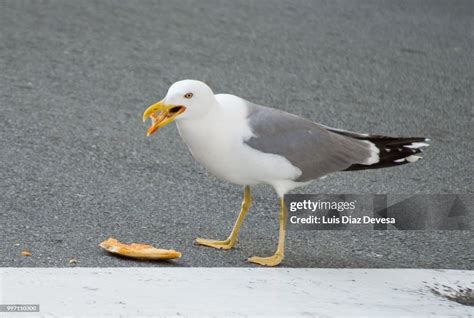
{"type": "Point", "coordinates": [394, 151]}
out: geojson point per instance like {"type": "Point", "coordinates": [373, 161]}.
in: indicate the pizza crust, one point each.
{"type": "Point", "coordinates": [138, 250]}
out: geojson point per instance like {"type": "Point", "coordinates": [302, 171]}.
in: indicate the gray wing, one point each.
{"type": "Point", "coordinates": [312, 148]}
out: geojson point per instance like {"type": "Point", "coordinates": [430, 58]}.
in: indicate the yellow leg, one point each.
{"type": "Point", "coordinates": [232, 239]}
{"type": "Point", "coordinates": [276, 258]}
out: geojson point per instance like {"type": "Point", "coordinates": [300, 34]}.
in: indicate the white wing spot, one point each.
{"type": "Point", "coordinates": [416, 145]}
{"type": "Point", "coordinates": [413, 158]}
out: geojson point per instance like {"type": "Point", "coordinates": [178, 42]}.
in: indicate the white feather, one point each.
{"type": "Point", "coordinates": [416, 145]}
{"type": "Point", "coordinates": [413, 158]}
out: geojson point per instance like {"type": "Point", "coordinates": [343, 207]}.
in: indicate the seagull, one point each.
{"type": "Point", "coordinates": [249, 144]}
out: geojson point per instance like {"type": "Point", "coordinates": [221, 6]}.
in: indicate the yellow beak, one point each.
{"type": "Point", "coordinates": [161, 115]}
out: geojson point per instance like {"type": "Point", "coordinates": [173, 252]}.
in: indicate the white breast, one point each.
{"type": "Point", "coordinates": [216, 140]}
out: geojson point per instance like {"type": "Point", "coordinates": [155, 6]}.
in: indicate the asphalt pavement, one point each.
{"type": "Point", "coordinates": [77, 168]}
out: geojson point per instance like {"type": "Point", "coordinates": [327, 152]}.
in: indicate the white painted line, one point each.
{"type": "Point", "coordinates": [231, 292]}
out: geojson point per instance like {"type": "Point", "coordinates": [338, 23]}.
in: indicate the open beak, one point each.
{"type": "Point", "coordinates": [161, 115]}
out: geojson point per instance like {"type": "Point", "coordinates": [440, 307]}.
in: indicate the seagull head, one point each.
{"type": "Point", "coordinates": [185, 99]}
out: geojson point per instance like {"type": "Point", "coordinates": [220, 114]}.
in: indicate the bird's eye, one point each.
{"type": "Point", "coordinates": [188, 95]}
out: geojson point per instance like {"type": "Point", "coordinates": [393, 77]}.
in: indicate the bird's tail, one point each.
{"type": "Point", "coordinates": [393, 151]}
